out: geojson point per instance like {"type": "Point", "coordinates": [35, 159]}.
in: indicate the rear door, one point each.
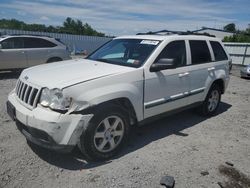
{"type": "Point", "coordinates": [200, 70]}
{"type": "Point", "coordinates": [12, 54]}
{"type": "Point", "coordinates": [37, 49]}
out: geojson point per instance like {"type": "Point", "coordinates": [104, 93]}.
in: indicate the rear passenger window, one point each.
{"type": "Point", "coordinates": [199, 52]}
{"type": "Point", "coordinates": [219, 53]}
{"type": "Point", "coordinates": [175, 50]}
{"type": "Point", "coordinates": [37, 43]}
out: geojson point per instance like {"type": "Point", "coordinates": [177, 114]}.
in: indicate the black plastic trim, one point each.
{"type": "Point", "coordinates": [168, 113]}
{"type": "Point", "coordinates": [173, 99]}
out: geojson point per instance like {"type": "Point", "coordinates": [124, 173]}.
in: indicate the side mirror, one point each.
{"type": "Point", "coordinates": [162, 64]}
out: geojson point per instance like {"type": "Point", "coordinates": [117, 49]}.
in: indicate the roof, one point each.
{"type": "Point", "coordinates": [165, 37]}
{"type": "Point", "coordinates": [166, 34]}
{"type": "Point", "coordinates": [208, 28]}
{"type": "Point", "coordinates": [20, 35]}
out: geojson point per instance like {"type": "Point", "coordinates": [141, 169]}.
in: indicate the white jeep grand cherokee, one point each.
{"type": "Point", "coordinates": [93, 102]}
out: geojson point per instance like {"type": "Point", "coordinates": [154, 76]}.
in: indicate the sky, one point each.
{"type": "Point", "coordinates": [122, 17]}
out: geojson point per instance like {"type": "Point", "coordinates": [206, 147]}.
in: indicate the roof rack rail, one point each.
{"type": "Point", "coordinates": [29, 35]}
{"type": "Point", "coordinates": [167, 32]}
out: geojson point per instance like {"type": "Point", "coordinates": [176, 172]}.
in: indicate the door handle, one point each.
{"type": "Point", "coordinates": [211, 68]}
{"type": "Point", "coordinates": [183, 74]}
{"type": "Point", "coordinates": [23, 52]}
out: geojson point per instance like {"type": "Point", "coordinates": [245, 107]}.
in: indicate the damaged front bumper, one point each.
{"type": "Point", "coordinates": [48, 128]}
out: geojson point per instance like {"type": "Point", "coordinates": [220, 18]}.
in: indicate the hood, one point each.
{"type": "Point", "coordinates": [65, 73]}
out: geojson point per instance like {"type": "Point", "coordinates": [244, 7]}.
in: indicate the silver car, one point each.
{"type": "Point", "coordinates": [17, 52]}
{"type": "Point", "coordinates": [245, 72]}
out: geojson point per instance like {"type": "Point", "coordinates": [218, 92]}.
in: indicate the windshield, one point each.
{"type": "Point", "coordinates": [126, 52]}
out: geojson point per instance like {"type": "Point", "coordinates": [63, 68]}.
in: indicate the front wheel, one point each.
{"type": "Point", "coordinates": [105, 134]}
{"type": "Point", "coordinates": [212, 101]}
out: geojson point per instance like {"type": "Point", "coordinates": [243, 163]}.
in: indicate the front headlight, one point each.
{"type": "Point", "coordinates": [45, 97]}
{"type": "Point", "coordinates": [54, 99]}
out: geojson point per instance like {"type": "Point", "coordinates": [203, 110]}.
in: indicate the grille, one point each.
{"type": "Point", "coordinates": [26, 93]}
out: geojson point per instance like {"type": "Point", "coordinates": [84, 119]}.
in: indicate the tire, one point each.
{"type": "Point", "coordinates": [54, 59]}
{"type": "Point", "coordinates": [100, 141]}
{"type": "Point", "coordinates": [212, 101]}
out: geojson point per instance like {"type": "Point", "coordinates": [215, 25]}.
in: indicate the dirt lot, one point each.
{"type": "Point", "coordinates": [192, 149]}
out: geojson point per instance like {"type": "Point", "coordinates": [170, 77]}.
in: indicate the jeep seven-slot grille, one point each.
{"type": "Point", "coordinates": [27, 93]}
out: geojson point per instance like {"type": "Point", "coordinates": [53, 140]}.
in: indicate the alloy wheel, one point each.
{"type": "Point", "coordinates": [213, 100]}
{"type": "Point", "coordinates": [109, 133]}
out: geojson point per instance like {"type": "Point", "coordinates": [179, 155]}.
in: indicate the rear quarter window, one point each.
{"type": "Point", "coordinates": [219, 53]}
{"type": "Point", "coordinates": [37, 43]}
{"type": "Point", "coordinates": [199, 52]}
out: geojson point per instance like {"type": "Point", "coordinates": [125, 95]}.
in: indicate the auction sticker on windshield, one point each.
{"type": "Point", "coordinates": [151, 42]}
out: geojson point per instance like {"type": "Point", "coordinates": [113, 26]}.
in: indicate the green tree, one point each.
{"type": "Point", "coordinates": [239, 36]}
{"type": "Point", "coordinates": [230, 27]}
{"type": "Point", "coordinates": [72, 26]}
{"type": "Point", "coordinates": [69, 26]}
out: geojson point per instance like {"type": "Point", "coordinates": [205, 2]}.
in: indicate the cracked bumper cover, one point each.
{"type": "Point", "coordinates": [47, 128]}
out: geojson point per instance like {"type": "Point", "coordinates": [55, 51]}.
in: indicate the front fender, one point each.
{"type": "Point", "coordinates": [127, 85]}
{"type": "Point", "coordinates": [99, 95]}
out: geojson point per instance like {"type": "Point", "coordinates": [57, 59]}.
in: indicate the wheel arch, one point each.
{"type": "Point", "coordinates": [220, 83]}
{"type": "Point", "coordinates": [123, 102]}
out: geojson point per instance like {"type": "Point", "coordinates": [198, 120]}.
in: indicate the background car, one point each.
{"type": "Point", "coordinates": [245, 72]}
{"type": "Point", "coordinates": [17, 52]}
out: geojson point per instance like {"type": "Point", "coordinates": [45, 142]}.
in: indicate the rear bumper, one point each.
{"type": "Point", "coordinates": [226, 83]}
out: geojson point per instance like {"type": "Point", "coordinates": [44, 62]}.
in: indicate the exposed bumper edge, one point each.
{"type": "Point", "coordinates": [45, 142]}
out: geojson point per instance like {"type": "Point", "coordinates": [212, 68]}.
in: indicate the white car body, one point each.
{"type": "Point", "coordinates": [22, 51]}
{"type": "Point", "coordinates": [90, 83]}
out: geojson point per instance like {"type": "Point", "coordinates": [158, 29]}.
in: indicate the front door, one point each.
{"type": "Point", "coordinates": [167, 89]}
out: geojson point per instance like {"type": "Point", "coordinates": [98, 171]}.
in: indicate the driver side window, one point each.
{"type": "Point", "coordinates": [175, 50]}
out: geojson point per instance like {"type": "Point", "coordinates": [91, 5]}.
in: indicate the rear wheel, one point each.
{"type": "Point", "coordinates": [105, 134]}
{"type": "Point", "coordinates": [212, 101]}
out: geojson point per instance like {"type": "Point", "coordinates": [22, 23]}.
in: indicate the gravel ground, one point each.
{"type": "Point", "coordinates": [192, 149]}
